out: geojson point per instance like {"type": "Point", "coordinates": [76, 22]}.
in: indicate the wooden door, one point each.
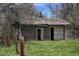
{"type": "Point", "coordinates": [39, 33]}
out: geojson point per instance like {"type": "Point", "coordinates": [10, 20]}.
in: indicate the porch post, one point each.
{"type": "Point", "coordinates": [64, 33]}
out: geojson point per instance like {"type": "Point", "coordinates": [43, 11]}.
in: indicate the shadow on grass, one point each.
{"type": "Point", "coordinates": [7, 50]}
{"type": "Point", "coordinates": [2, 45]}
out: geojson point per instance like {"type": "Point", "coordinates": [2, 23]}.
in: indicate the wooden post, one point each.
{"type": "Point", "coordinates": [22, 50]}
{"type": "Point", "coordinates": [18, 43]}
{"type": "Point", "coordinates": [17, 26]}
{"type": "Point", "coordinates": [64, 32]}
{"type": "Point", "coordinates": [18, 47]}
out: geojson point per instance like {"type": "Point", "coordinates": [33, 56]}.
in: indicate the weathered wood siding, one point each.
{"type": "Point", "coordinates": [29, 32]}
{"type": "Point", "coordinates": [67, 33]}
{"type": "Point", "coordinates": [46, 33]}
{"type": "Point", "coordinates": [58, 33]}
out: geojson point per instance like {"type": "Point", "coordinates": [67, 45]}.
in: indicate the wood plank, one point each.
{"type": "Point", "coordinates": [64, 33]}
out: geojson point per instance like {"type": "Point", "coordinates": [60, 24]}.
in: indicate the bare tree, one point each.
{"type": "Point", "coordinates": [37, 14]}
{"type": "Point", "coordinates": [70, 13]}
{"type": "Point", "coordinates": [11, 13]}
{"type": "Point", "coordinates": [55, 11]}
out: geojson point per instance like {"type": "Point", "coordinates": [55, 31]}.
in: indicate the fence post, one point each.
{"type": "Point", "coordinates": [22, 50]}
{"type": "Point", "coordinates": [17, 47]}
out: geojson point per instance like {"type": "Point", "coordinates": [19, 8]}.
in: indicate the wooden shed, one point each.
{"type": "Point", "coordinates": [43, 28]}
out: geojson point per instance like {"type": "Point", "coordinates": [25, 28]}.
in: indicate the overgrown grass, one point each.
{"type": "Point", "coordinates": [46, 48]}
{"type": "Point", "coordinates": [7, 51]}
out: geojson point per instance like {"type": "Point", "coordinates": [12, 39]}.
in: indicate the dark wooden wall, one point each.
{"type": "Point", "coordinates": [29, 32]}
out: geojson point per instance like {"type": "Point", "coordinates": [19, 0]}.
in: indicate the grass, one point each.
{"type": "Point", "coordinates": [46, 48]}
{"type": "Point", "coordinates": [7, 51]}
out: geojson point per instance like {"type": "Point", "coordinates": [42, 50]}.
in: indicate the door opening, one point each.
{"type": "Point", "coordinates": [52, 33]}
{"type": "Point", "coordinates": [39, 34]}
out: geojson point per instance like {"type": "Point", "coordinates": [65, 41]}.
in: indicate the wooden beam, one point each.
{"type": "Point", "coordinates": [22, 46]}
{"type": "Point", "coordinates": [64, 33]}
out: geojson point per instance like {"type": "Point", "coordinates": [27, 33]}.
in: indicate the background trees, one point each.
{"type": "Point", "coordinates": [70, 13]}
{"type": "Point", "coordinates": [10, 13]}
{"type": "Point", "coordinates": [55, 10]}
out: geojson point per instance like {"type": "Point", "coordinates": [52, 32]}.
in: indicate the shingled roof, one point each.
{"type": "Point", "coordinates": [44, 21]}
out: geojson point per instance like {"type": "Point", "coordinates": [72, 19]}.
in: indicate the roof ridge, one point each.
{"type": "Point", "coordinates": [46, 18]}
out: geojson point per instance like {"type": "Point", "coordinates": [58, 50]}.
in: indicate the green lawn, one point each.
{"type": "Point", "coordinates": [46, 48]}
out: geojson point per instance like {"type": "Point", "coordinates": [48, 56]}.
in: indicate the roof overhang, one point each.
{"type": "Point", "coordinates": [43, 21]}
